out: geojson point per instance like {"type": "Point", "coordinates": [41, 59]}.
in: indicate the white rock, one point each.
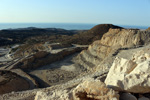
{"type": "Point", "coordinates": [94, 90]}
{"type": "Point", "coordinates": [127, 96]}
{"type": "Point", "coordinates": [55, 95]}
{"type": "Point", "coordinates": [41, 96]}
{"type": "Point", "coordinates": [130, 75]}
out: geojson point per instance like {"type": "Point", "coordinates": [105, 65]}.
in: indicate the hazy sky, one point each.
{"type": "Point", "coordinates": [123, 12]}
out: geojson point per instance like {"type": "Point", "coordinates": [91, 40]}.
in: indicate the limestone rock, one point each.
{"type": "Point", "coordinates": [56, 95]}
{"type": "Point", "coordinates": [109, 45]}
{"type": "Point", "coordinates": [131, 75]}
{"type": "Point", "coordinates": [127, 96]}
{"type": "Point", "coordinates": [10, 81]}
{"type": "Point", "coordinates": [41, 96]}
{"type": "Point", "coordinates": [94, 90]}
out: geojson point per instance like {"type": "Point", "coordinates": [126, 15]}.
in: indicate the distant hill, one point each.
{"type": "Point", "coordinates": [93, 34]}
{"type": "Point", "coordinates": [83, 37]}
{"type": "Point", "coordinates": [33, 35]}
{"type": "Point", "coordinates": [12, 36]}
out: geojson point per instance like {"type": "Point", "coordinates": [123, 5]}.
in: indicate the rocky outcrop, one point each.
{"type": "Point", "coordinates": [10, 81]}
{"type": "Point", "coordinates": [102, 52]}
{"type": "Point", "coordinates": [94, 90]}
{"type": "Point", "coordinates": [131, 75]}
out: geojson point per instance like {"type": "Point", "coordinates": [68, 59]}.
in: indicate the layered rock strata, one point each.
{"type": "Point", "coordinates": [44, 58]}
{"type": "Point", "coordinates": [102, 52]}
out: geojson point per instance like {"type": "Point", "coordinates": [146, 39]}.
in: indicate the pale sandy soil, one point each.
{"type": "Point", "coordinates": [57, 72]}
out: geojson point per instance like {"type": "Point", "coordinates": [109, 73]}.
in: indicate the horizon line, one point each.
{"type": "Point", "coordinates": [69, 23]}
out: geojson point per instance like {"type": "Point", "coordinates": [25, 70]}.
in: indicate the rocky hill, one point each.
{"type": "Point", "coordinates": [93, 34]}
{"type": "Point", "coordinates": [102, 52]}
{"type": "Point", "coordinates": [12, 36]}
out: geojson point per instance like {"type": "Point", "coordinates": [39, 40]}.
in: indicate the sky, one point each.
{"type": "Point", "coordinates": [122, 12]}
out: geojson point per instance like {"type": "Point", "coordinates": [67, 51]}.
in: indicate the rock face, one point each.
{"type": "Point", "coordinates": [101, 52]}
{"type": "Point", "coordinates": [131, 75]}
{"type": "Point", "coordinates": [57, 95]}
{"type": "Point", "coordinates": [94, 90]}
{"type": "Point", "coordinates": [10, 81]}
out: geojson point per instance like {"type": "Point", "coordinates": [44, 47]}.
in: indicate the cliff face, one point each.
{"type": "Point", "coordinates": [125, 37]}
{"type": "Point", "coordinates": [104, 50]}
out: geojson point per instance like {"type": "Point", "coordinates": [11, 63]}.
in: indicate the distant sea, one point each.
{"type": "Point", "coordinates": [67, 26]}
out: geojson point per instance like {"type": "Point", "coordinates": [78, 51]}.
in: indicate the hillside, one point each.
{"type": "Point", "coordinates": [115, 66]}
{"type": "Point", "coordinates": [83, 37]}
{"type": "Point", "coordinates": [13, 36]}
{"type": "Point", "coordinates": [93, 34]}
{"type": "Point", "coordinates": [104, 50]}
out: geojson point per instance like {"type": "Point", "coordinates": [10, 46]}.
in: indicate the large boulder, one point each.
{"type": "Point", "coordinates": [131, 75]}
{"type": "Point", "coordinates": [94, 90]}
{"type": "Point", "coordinates": [10, 81]}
